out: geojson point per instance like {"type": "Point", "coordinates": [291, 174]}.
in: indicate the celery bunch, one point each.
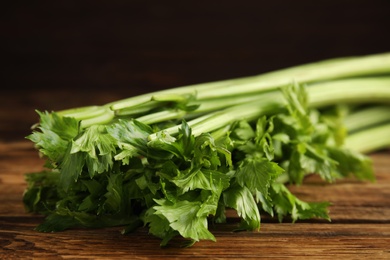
{"type": "Point", "coordinates": [175, 160]}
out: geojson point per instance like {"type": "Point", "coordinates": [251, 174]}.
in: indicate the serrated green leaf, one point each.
{"type": "Point", "coordinates": [53, 134]}
{"type": "Point", "coordinates": [130, 133]}
{"type": "Point", "coordinates": [241, 199]}
{"type": "Point", "coordinates": [114, 194]}
{"type": "Point", "coordinates": [287, 204]}
{"type": "Point", "coordinates": [183, 216]}
{"type": "Point", "coordinates": [257, 174]}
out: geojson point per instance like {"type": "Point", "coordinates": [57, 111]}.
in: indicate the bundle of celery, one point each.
{"type": "Point", "coordinates": [175, 160]}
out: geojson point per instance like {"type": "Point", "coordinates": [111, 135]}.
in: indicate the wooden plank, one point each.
{"type": "Point", "coordinates": [274, 240]}
{"type": "Point", "coordinates": [360, 226]}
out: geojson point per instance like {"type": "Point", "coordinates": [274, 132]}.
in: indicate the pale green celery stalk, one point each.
{"type": "Point", "coordinates": [161, 116]}
{"type": "Point", "coordinates": [205, 106]}
{"type": "Point", "coordinates": [184, 90]}
{"type": "Point", "coordinates": [316, 72]}
{"type": "Point", "coordinates": [104, 118]}
{"type": "Point", "coordinates": [367, 117]}
{"type": "Point", "coordinates": [351, 90]}
{"type": "Point", "coordinates": [242, 112]}
{"type": "Point", "coordinates": [219, 119]}
{"type": "Point", "coordinates": [83, 112]}
{"type": "Point", "coordinates": [319, 71]}
{"type": "Point", "coordinates": [89, 115]}
{"type": "Point", "coordinates": [354, 90]}
{"type": "Point", "coordinates": [155, 101]}
{"type": "Point", "coordinates": [336, 68]}
{"type": "Point", "coordinates": [370, 139]}
{"type": "Point", "coordinates": [373, 64]}
{"type": "Point", "coordinates": [137, 109]}
{"type": "Point", "coordinates": [345, 91]}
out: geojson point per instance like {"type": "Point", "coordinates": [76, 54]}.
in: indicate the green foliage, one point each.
{"type": "Point", "coordinates": [163, 177]}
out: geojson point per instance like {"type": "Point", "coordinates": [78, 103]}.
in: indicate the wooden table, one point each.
{"type": "Point", "coordinates": [59, 55]}
{"type": "Point", "coordinates": [360, 213]}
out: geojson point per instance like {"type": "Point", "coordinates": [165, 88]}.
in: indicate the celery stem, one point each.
{"type": "Point", "coordinates": [369, 140]}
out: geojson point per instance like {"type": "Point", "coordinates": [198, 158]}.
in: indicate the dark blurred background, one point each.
{"type": "Point", "coordinates": [60, 54]}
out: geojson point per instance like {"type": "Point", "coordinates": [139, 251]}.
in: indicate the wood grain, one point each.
{"type": "Point", "coordinates": [59, 55]}
{"type": "Point", "coordinates": [360, 226]}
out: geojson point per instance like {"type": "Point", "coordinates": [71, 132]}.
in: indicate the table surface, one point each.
{"type": "Point", "coordinates": [59, 55]}
{"type": "Point", "coordinates": [360, 211]}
